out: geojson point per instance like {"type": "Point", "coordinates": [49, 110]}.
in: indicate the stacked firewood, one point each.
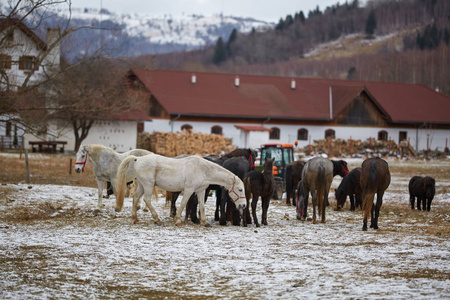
{"type": "Point", "coordinates": [341, 147]}
{"type": "Point", "coordinates": [174, 144]}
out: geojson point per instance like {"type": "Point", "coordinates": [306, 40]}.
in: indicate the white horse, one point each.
{"type": "Point", "coordinates": [106, 162]}
{"type": "Point", "coordinates": [191, 174]}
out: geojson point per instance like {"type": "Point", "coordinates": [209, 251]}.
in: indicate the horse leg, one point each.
{"type": "Point", "coordinates": [422, 203]}
{"type": "Point", "coordinates": [223, 206]}
{"type": "Point", "coordinates": [374, 222]}
{"type": "Point", "coordinates": [201, 211]}
{"type": "Point", "coordinates": [412, 200]}
{"type": "Point", "coordinates": [367, 207]}
{"type": "Point", "coordinates": [173, 207]}
{"type": "Point", "coordinates": [219, 202]}
{"type": "Point", "coordinates": [186, 195]}
{"type": "Point", "coordinates": [265, 208]}
{"type": "Point", "coordinates": [254, 203]}
{"type": "Point", "coordinates": [137, 195]}
{"type": "Point", "coordinates": [294, 196]}
{"type": "Point", "coordinates": [428, 204]}
{"type": "Point", "coordinates": [352, 202]}
{"type": "Point", "coordinates": [148, 201]}
{"type": "Point", "coordinates": [314, 204]}
{"type": "Point", "coordinates": [100, 184]}
{"type": "Point", "coordinates": [191, 208]}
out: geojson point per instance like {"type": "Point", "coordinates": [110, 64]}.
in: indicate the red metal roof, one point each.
{"type": "Point", "coordinates": [215, 94]}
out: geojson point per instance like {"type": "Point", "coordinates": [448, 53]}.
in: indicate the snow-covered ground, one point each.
{"type": "Point", "coordinates": [76, 254]}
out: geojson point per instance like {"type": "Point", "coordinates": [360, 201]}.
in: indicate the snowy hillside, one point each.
{"type": "Point", "coordinates": [143, 34]}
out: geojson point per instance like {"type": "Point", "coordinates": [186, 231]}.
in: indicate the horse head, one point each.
{"type": "Point", "coordinates": [237, 195]}
{"type": "Point", "coordinates": [340, 168]}
{"type": "Point", "coordinates": [341, 197]}
{"type": "Point", "coordinates": [81, 158]}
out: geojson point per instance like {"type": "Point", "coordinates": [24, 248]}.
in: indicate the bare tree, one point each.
{"type": "Point", "coordinates": [93, 90]}
{"type": "Point", "coordinates": [25, 94]}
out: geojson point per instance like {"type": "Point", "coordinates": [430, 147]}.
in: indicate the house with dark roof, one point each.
{"type": "Point", "coordinates": [288, 109]}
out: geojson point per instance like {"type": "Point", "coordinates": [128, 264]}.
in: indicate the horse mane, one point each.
{"type": "Point", "coordinates": [95, 150]}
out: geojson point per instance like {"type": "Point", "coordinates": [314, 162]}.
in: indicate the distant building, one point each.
{"type": "Point", "coordinates": [21, 52]}
{"type": "Point", "coordinates": [256, 109]}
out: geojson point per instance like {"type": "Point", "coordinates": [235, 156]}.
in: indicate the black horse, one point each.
{"type": "Point", "coordinates": [191, 206]}
{"type": "Point", "coordinates": [293, 176]}
{"type": "Point", "coordinates": [375, 178]}
{"type": "Point", "coordinates": [239, 166]}
{"type": "Point", "coordinates": [350, 185]}
{"type": "Point", "coordinates": [422, 188]}
{"type": "Point", "coordinates": [259, 184]}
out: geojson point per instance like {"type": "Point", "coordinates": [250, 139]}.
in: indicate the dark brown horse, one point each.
{"type": "Point", "coordinates": [259, 184]}
{"type": "Point", "coordinates": [350, 186]}
{"type": "Point", "coordinates": [293, 176]}
{"type": "Point", "coordinates": [375, 178]}
{"type": "Point", "coordinates": [422, 188]}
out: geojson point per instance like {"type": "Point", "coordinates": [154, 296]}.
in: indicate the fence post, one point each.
{"type": "Point", "coordinates": [27, 165]}
{"type": "Point", "coordinates": [70, 167]}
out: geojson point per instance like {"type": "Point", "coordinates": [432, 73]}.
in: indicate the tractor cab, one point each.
{"type": "Point", "coordinates": [283, 155]}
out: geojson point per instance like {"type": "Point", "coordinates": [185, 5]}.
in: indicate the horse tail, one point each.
{"type": "Point", "coordinates": [371, 188]}
{"type": "Point", "coordinates": [320, 188]}
{"type": "Point", "coordinates": [122, 180]}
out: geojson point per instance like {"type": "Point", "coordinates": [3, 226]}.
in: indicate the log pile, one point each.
{"type": "Point", "coordinates": [174, 144]}
{"type": "Point", "coordinates": [341, 147]}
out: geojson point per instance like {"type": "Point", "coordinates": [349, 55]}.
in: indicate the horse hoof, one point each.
{"type": "Point", "coordinates": [97, 211]}
{"type": "Point", "coordinates": [257, 225]}
{"type": "Point", "coordinates": [178, 224]}
{"type": "Point", "coordinates": [207, 225]}
{"type": "Point", "coordinates": [136, 222]}
{"type": "Point", "coordinates": [158, 223]}
{"type": "Point", "coordinates": [364, 228]}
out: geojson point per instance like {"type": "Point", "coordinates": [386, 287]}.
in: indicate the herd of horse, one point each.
{"type": "Point", "coordinates": [238, 185]}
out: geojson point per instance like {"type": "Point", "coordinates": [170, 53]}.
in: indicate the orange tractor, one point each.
{"type": "Point", "coordinates": [283, 154]}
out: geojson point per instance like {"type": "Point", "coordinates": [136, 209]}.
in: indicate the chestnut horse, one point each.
{"type": "Point", "coordinates": [375, 178]}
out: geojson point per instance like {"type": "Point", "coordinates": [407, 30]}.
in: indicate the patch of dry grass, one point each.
{"type": "Point", "coordinates": [45, 169]}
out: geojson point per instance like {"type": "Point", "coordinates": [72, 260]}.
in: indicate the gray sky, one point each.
{"type": "Point", "coordinates": [267, 10]}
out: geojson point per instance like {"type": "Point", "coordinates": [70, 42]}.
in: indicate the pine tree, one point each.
{"type": "Point", "coordinates": [371, 23]}
{"type": "Point", "coordinates": [231, 39]}
{"type": "Point", "coordinates": [220, 52]}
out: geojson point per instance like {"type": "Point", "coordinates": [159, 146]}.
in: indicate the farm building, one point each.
{"type": "Point", "coordinates": [24, 53]}
{"type": "Point", "coordinates": [259, 109]}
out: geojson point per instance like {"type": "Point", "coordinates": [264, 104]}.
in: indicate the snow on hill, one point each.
{"type": "Point", "coordinates": [149, 35]}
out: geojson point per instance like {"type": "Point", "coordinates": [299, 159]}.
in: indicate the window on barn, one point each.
{"type": "Point", "coordinates": [186, 127]}
{"type": "Point", "coordinates": [274, 133]}
{"type": "Point", "coordinates": [5, 62]}
{"type": "Point", "coordinates": [382, 135]}
{"type": "Point", "coordinates": [27, 62]}
{"type": "Point", "coordinates": [302, 134]}
{"type": "Point", "coordinates": [402, 136]}
{"type": "Point", "coordinates": [330, 133]}
{"type": "Point", "coordinates": [140, 127]}
{"type": "Point", "coordinates": [216, 130]}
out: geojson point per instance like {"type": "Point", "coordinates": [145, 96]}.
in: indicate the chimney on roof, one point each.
{"type": "Point", "coordinates": [236, 81]}
{"type": "Point", "coordinates": [193, 79]}
{"type": "Point", "coordinates": [293, 84]}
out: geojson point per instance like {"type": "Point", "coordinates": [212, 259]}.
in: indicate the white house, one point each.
{"type": "Point", "coordinates": [23, 53]}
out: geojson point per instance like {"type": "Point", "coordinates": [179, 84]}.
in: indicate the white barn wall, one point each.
{"type": "Point", "coordinates": [288, 133]}
{"type": "Point", "coordinates": [118, 135]}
